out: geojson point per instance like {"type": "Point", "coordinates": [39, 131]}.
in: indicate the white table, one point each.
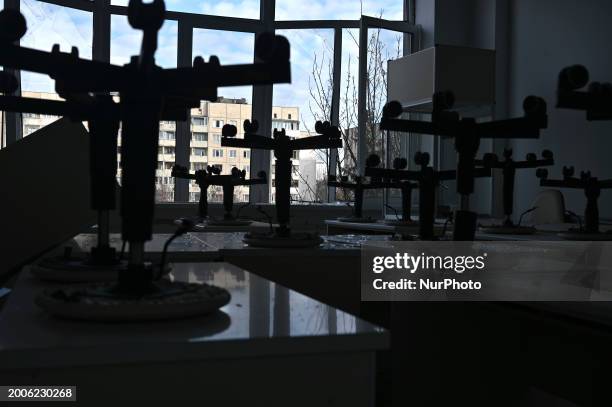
{"type": "Point", "coordinates": [269, 346]}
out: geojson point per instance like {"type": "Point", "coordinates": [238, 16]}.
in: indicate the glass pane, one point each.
{"type": "Point", "coordinates": [347, 156]}
{"type": "Point", "coordinates": [125, 42]}
{"type": "Point", "coordinates": [228, 8]}
{"type": "Point", "coordinates": [49, 24]}
{"type": "Point", "coordinates": [339, 10]}
{"type": "Point", "coordinates": [383, 45]}
{"type": "Point", "coordinates": [297, 106]}
{"type": "Point", "coordinates": [233, 106]}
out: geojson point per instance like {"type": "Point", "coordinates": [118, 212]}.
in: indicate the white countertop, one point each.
{"type": "Point", "coordinates": [261, 319]}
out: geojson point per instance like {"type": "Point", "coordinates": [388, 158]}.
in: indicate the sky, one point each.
{"type": "Point", "coordinates": [49, 24]}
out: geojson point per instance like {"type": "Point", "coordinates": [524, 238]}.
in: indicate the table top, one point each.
{"type": "Point", "coordinates": [262, 319]}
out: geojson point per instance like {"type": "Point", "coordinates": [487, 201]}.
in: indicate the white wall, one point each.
{"type": "Point", "coordinates": [546, 36]}
{"type": "Point", "coordinates": [468, 23]}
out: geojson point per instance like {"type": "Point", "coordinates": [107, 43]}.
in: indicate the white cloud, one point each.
{"type": "Point", "coordinates": [51, 24]}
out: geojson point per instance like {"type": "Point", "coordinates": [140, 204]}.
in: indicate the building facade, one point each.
{"type": "Point", "coordinates": [207, 122]}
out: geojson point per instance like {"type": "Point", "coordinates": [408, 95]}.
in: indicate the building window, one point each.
{"type": "Point", "coordinates": [233, 122]}
{"type": "Point", "coordinates": [199, 152]}
{"type": "Point", "coordinates": [30, 129]}
{"type": "Point", "coordinates": [275, 115]}
{"type": "Point", "coordinates": [169, 150]}
{"type": "Point", "coordinates": [198, 166]}
{"type": "Point", "coordinates": [219, 166]}
{"type": "Point", "coordinates": [217, 153]}
{"type": "Point", "coordinates": [199, 121]}
{"type": "Point", "coordinates": [199, 136]}
{"type": "Point", "coordinates": [232, 153]}
{"type": "Point", "coordinates": [289, 116]}
{"type": "Point", "coordinates": [166, 135]}
{"type": "Point", "coordinates": [217, 138]}
{"type": "Point", "coordinates": [247, 168]}
{"type": "Point", "coordinates": [246, 154]}
{"type": "Point", "coordinates": [218, 123]}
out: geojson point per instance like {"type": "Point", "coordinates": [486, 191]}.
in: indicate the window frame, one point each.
{"type": "Point", "coordinates": [102, 11]}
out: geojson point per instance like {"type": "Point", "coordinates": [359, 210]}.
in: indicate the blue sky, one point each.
{"type": "Point", "coordinates": [49, 24]}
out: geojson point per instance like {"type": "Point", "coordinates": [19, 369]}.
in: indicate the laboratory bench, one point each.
{"type": "Point", "coordinates": [269, 346]}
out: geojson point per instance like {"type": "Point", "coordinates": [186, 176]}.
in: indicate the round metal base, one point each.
{"type": "Point", "coordinates": [103, 302]}
{"type": "Point", "coordinates": [584, 236]}
{"type": "Point", "coordinates": [357, 220]}
{"type": "Point", "coordinates": [295, 241]}
{"type": "Point", "coordinates": [74, 270]}
{"type": "Point", "coordinates": [507, 230]}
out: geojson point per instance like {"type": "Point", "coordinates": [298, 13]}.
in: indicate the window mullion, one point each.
{"type": "Point", "coordinates": [262, 112]}
{"type": "Point", "coordinates": [183, 128]}
{"type": "Point", "coordinates": [14, 122]}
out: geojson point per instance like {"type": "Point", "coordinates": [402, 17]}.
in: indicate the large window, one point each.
{"type": "Point", "coordinates": [326, 79]}
{"type": "Point", "coordinates": [125, 42]}
{"type": "Point", "coordinates": [297, 106]}
{"type": "Point", "coordinates": [49, 24]}
{"type": "Point", "coordinates": [233, 105]}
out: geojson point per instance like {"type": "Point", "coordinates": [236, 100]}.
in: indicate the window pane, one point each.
{"type": "Point", "coordinates": [49, 24]}
{"type": "Point", "coordinates": [347, 156]}
{"type": "Point", "coordinates": [297, 106]}
{"type": "Point", "coordinates": [228, 8]}
{"type": "Point", "coordinates": [125, 42]}
{"type": "Point", "coordinates": [338, 10]}
{"type": "Point", "coordinates": [383, 45]}
{"type": "Point", "coordinates": [231, 48]}
{"type": "Point", "coordinates": [233, 106]}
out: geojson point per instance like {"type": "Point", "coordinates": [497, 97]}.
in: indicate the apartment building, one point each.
{"type": "Point", "coordinates": [207, 122]}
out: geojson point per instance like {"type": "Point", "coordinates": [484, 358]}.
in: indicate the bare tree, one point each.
{"type": "Point", "coordinates": [321, 87]}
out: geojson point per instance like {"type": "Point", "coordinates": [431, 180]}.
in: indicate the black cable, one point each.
{"type": "Point", "coordinates": [577, 217]}
{"type": "Point", "coordinates": [122, 253]}
{"type": "Point", "coordinates": [241, 208]}
{"type": "Point", "coordinates": [525, 213]}
{"type": "Point", "coordinates": [394, 211]}
{"type": "Point", "coordinates": [185, 226]}
{"type": "Point", "coordinates": [268, 217]}
{"type": "Point", "coordinates": [449, 219]}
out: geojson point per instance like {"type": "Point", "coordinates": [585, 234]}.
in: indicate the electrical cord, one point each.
{"type": "Point", "coordinates": [575, 216]}
{"type": "Point", "coordinates": [394, 211]}
{"type": "Point", "coordinates": [268, 217]}
{"type": "Point", "coordinates": [185, 225]}
{"type": "Point", "coordinates": [525, 213]}
{"type": "Point", "coordinates": [241, 208]}
{"type": "Point", "coordinates": [122, 253]}
{"type": "Point", "coordinates": [449, 219]}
